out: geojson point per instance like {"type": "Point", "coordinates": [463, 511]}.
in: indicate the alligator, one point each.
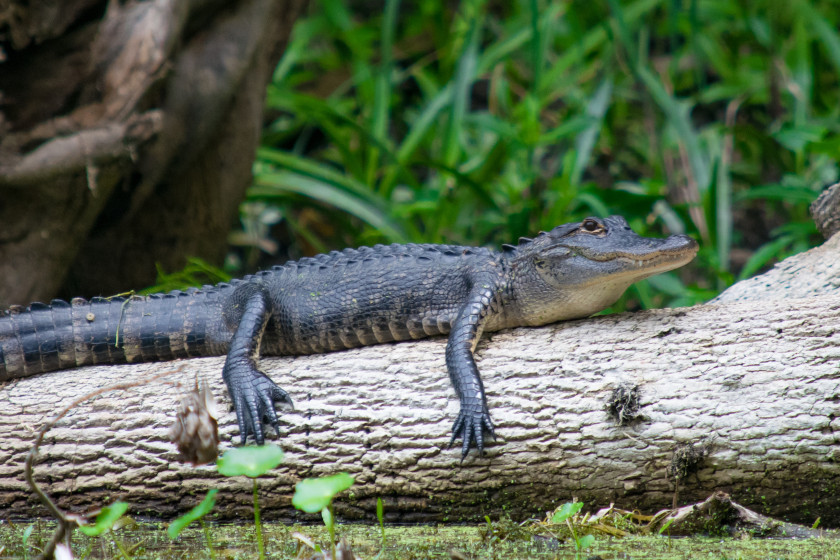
{"type": "Point", "coordinates": [346, 299]}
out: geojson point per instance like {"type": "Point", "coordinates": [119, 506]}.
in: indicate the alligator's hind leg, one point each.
{"type": "Point", "coordinates": [253, 393]}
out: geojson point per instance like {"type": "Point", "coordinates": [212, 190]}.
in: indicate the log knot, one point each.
{"type": "Point", "coordinates": [624, 403]}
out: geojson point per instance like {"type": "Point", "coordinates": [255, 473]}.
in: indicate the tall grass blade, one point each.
{"type": "Point", "coordinates": [764, 255]}
{"type": "Point", "coordinates": [536, 48]}
{"type": "Point", "coordinates": [585, 141]}
{"type": "Point", "coordinates": [382, 96]}
{"type": "Point", "coordinates": [464, 75]}
{"type": "Point", "coordinates": [319, 171]}
{"type": "Point", "coordinates": [676, 112]}
{"type": "Point", "coordinates": [281, 183]}
{"type": "Point", "coordinates": [595, 39]}
{"type": "Point", "coordinates": [823, 29]}
{"type": "Point", "coordinates": [302, 34]}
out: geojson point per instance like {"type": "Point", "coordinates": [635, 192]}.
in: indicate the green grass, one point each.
{"type": "Point", "coordinates": [482, 122]}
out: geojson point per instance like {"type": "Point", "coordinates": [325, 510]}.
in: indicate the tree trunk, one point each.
{"type": "Point", "coordinates": [127, 135]}
{"type": "Point", "coordinates": [741, 397]}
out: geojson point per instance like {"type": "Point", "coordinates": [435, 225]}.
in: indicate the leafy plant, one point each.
{"type": "Point", "coordinates": [314, 495]}
{"type": "Point", "coordinates": [110, 517]}
{"type": "Point", "coordinates": [195, 273]}
{"type": "Point", "coordinates": [105, 520]}
{"type": "Point", "coordinates": [251, 461]}
{"type": "Point", "coordinates": [476, 123]}
{"type": "Point", "coordinates": [565, 514]}
{"type": "Point", "coordinates": [665, 526]}
{"type": "Point", "coordinates": [196, 514]}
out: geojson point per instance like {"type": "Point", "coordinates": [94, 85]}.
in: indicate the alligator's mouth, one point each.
{"type": "Point", "coordinates": [674, 252]}
{"type": "Point", "coordinates": [655, 263]}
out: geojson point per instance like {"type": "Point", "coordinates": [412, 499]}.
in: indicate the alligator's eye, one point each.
{"type": "Point", "coordinates": [591, 226]}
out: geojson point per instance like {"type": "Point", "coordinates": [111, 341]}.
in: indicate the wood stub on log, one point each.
{"type": "Point", "coordinates": [826, 210]}
{"type": "Point", "coordinates": [127, 135]}
{"type": "Point", "coordinates": [741, 397]}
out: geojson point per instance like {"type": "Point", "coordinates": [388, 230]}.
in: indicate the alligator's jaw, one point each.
{"type": "Point", "coordinates": [677, 251]}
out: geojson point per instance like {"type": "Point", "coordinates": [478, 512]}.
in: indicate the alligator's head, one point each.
{"type": "Point", "coordinates": [578, 269]}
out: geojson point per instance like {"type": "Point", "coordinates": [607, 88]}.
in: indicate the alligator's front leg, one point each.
{"type": "Point", "coordinates": [473, 417]}
{"type": "Point", "coordinates": [252, 392]}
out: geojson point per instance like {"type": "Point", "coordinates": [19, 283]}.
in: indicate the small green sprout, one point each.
{"type": "Point", "coordinates": [316, 494]}
{"type": "Point", "coordinates": [666, 525]}
{"type": "Point", "coordinates": [380, 515]}
{"type": "Point", "coordinates": [105, 520]}
{"type": "Point", "coordinates": [252, 462]}
{"type": "Point", "coordinates": [566, 511]}
{"type": "Point", "coordinates": [565, 514]}
{"type": "Point", "coordinates": [26, 534]}
{"type": "Point", "coordinates": [196, 514]}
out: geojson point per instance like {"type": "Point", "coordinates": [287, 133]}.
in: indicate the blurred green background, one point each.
{"type": "Point", "coordinates": [478, 122]}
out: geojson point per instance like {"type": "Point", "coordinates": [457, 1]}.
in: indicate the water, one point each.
{"type": "Point", "coordinates": [142, 541]}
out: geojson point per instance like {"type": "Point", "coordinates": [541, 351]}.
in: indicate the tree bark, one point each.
{"type": "Point", "coordinates": [127, 135]}
{"type": "Point", "coordinates": [734, 396]}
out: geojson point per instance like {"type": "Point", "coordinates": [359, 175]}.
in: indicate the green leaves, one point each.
{"type": "Point", "coordinates": [584, 542]}
{"type": "Point", "coordinates": [314, 494]}
{"type": "Point", "coordinates": [469, 125]}
{"type": "Point", "coordinates": [320, 183]}
{"type": "Point", "coordinates": [566, 515]}
{"type": "Point", "coordinates": [566, 511]}
{"type": "Point", "coordinates": [252, 461]}
{"type": "Point", "coordinates": [105, 520]}
{"type": "Point", "coordinates": [380, 512]}
{"type": "Point", "coordinates": [194, 514]}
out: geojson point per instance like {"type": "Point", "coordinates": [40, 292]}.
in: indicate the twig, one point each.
{"type": "Point", "coordinates": [67, 522]}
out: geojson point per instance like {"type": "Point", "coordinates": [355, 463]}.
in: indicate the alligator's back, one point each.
{"type": "Point", "coordinates": [370, 295]}
{"type": "Point", "coordinates": [339, 300]}
{"type": "Point", "coordinates": [61, 335]}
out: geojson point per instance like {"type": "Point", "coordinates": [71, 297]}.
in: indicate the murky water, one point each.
{"type": "Point", "coordinates": [142, 541]}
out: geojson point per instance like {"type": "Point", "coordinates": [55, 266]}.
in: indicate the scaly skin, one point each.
{"type": "Point", "coordinates": [347, 299]}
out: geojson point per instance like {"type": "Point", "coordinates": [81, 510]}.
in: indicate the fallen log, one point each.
{"type": "Point", "coordinates": [740, 396]}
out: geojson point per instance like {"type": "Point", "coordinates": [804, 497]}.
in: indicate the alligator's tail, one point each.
{"type": "Point", "coordinates": [62, 335]}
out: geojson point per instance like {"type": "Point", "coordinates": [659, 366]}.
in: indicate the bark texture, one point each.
{"type": "Point", "coordinates": [126, 126]}
{"type": "Point", "coordinates": [734, 396]}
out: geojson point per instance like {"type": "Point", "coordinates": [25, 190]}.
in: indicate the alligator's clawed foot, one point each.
{"type": "Point", "coordinates": [254, 397]}
{"type": "Point", "coordinates": [470, 427]}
